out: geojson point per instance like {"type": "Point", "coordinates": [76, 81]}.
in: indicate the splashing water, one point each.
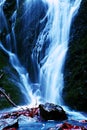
{"type": "Point", "coordinates": [55, 36]}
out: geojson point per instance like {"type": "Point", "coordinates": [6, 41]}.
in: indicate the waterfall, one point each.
{"type": "Point", "coordinates": [59, 18]}
{"type": "Point", "coordinates": [49, 50]}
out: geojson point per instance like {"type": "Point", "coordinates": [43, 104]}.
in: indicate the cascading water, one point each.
{"type": "Point", "coordinates": [59, 17]}
{"type": "Point", "coordinates": [24, 84]}
{"type": "Point", "coordinates": [55, 36]}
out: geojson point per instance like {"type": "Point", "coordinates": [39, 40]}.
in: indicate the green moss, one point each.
{"type": "Point", "coordinates": [6, 73]}
{"type": "Point", "coordinates": [12, 90]}
{"type": "Point", "coordinates": [7, 84]}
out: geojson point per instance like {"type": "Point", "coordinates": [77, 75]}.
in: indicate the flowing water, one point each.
{"type": "Point", "coordinates": [49, 50]}
{"type": "Point", "coordinates": [59, 15]}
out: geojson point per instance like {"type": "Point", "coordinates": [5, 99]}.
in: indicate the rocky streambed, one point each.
{"type": "Point", "coordinates": [44, 117]}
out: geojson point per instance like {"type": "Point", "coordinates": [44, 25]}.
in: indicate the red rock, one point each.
{"type": "Point", "coordinates": [10, 129]}
{"type": "Point", "coordinates": [67, 126]}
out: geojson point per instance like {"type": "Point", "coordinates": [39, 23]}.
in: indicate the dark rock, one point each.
{"type": "Point", "coordinates": [75, 68]}
{"type": "Point", "coordinates": [50, 111]}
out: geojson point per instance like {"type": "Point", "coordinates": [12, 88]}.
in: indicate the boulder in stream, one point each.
{"type": "Point", "coordinates": [50, 111]}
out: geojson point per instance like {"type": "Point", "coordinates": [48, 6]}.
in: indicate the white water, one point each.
{"type": "Point", "coordinates": [59, 17]}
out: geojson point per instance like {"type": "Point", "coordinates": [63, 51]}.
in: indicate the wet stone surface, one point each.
{"type": "Point", "coordinates": [50, 111]}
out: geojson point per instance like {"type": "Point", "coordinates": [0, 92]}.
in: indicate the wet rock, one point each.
{"type": "Point", "coordinates": [50, 111]}
{"type": "Point", "coordinates": [6, 124]}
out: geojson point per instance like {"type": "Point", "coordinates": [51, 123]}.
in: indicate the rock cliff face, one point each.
{"type": "Point", "coordinates": [75, 72]}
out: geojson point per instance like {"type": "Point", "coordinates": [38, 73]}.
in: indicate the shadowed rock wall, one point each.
{"type": "Point", "coordinates": [75, 72]}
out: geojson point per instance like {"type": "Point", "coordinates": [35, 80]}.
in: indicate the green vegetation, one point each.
{"type": "Point", "coordinates": [6, 72]}
{"type": "Point", "coordinates": [11, 90]}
